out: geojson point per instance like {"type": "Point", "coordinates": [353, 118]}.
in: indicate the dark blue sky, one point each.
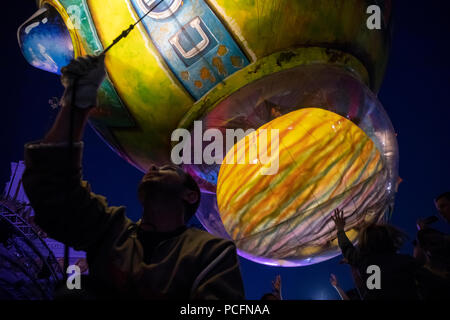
{"type": "Point", "coordinates": [415, 93]}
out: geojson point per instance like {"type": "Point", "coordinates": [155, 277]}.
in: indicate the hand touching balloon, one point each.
{"type": "Point", "coordinates": [339, 220]}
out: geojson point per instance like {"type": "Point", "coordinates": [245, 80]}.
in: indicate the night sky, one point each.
{"type": "Point", "coordinates": [415, 94]}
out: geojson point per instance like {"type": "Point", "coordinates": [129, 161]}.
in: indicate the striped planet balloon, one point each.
{"type": "Point", "coordinates": [323, 161]}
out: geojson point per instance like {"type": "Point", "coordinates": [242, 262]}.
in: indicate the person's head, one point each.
{"type": "Point", "coordinates": [381, 238]}
{"type": "Point", "coordinates": [168, 189]}
{"type": "Point", "coordinates": [442, 203]}
{"type": "Point", "coordinates": [269, 296]}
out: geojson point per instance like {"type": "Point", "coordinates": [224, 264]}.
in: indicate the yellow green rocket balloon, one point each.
{"type": "Point", "coordinates": [232, 64]}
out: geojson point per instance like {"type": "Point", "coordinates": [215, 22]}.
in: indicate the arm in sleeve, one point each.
{"type": "Point", "coordinates": [221, 279]}
{"type": "Point", "coordinates": [64, 206]}
{"type": "Point", "coordinates": [348, 249]}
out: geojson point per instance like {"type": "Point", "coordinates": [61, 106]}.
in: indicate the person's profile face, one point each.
{"type": "Point", "coordinates": [443, 206]}
{"type": "Point", "coordinates": [165, 179]}
{"type": "Point", "coordinates": [166, 174]}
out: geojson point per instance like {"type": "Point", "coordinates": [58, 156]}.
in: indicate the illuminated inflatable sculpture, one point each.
{"type": "Point", "coordinates": [308, 68]}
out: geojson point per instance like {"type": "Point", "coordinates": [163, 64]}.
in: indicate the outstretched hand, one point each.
{"type": "Point", "coordinates": [338, 218]}
{"type": "Point", "coordinates": [333, 280]}
{"type": "Point", "coordinates": [276, 286]}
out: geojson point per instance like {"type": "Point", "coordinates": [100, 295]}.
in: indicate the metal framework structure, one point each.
{"type": "Point", "coordinates": [28, 268]}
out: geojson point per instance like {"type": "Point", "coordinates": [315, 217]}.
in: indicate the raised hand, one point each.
{"type": "Point", "coordinates": [338, 218]}
{"type": "Point", "coordinates": [333, 280]}
{"type": "Point", "coordinates": [276, 286]}
{"type": "Point", "coordinates": [82, 78]}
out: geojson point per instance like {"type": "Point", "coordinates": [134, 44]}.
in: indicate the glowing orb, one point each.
{"type": "Point", "coordinates": [277, 99]}
{"type": "Point", "coordinates": [324, 161]}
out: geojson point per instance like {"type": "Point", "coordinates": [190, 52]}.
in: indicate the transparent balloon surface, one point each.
{"type": "Point", "coordinates": [304, 234]}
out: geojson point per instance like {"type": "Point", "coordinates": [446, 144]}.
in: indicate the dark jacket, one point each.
{"type": "Point", "coordinates": [437, 247]}
{"type": "Point", "coordinates": [398, 271]}
{"type": "Point", "coordinates": [190, 264]}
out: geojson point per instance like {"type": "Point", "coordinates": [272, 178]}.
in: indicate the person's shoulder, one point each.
{"type": "Point", "coordinates": [405, 260]}
{"type": "Point", "coordinates": [118, 222]}
{"type": "Point", "coordinates": [403, 256]}
{"type": "Point", "coordinates": [206, 238]}
{"type": "Point", "coordinates": [206, 246]}
{"type": "Point", "coordinates": [195, 232]}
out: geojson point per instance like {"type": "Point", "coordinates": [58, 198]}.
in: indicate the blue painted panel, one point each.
{"type": "Point", "coordinates": [194, 43]}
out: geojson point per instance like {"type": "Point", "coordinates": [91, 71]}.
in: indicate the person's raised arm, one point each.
{"type": "Point", "coordinates": [334, 282]}
{"type": "Point", "coordinates": [348, 250]}
{"type": "Point", "coordinates": [276, 287]}
{"type": "Point", "coordinates": [64, 206]}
